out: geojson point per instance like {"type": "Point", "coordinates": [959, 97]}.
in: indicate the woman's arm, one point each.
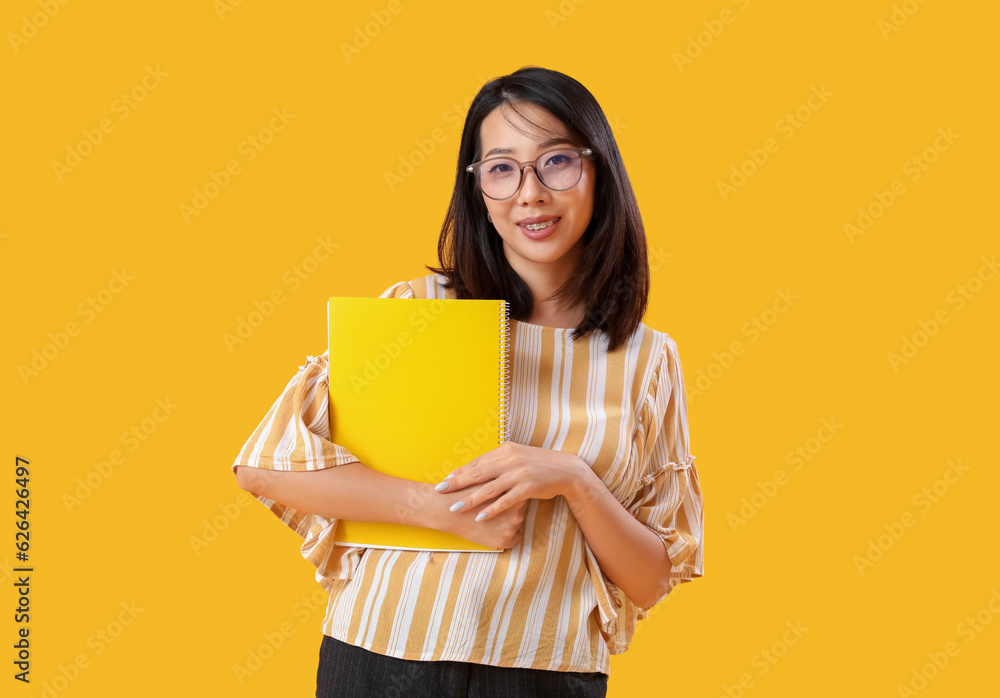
{"type": "Point", "coordinates": [629, 553]}
{"type": "Point", "coordinates": [341, 492]}
{"type": "Point", "coordinates": [355, 491]}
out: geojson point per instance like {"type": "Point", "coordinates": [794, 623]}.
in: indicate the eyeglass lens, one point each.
{"type": "Point", "coordinates": [558, 170]}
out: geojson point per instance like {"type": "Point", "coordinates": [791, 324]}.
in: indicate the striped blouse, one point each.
{"type": "Point", "coordinates": [545, 603]}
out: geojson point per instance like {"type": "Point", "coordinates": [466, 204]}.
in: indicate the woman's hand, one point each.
{"type": "Point", "coordinates": [502, 531]}
{"type": "Point", "coordinates": [508, 476]}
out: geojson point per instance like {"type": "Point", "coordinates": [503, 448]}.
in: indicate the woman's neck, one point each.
{"type": "Point", "coordinates": [543, 280]}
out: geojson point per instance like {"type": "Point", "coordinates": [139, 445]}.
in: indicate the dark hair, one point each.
{"type": "Point", "coordinates": [612, 280]}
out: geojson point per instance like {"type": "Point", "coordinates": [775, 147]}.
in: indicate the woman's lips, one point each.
{"type": "Point", "coordinates": [540, 234]}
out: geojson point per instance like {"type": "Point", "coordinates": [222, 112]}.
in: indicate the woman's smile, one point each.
{"type": "Point", "coordinates": [540, 231]}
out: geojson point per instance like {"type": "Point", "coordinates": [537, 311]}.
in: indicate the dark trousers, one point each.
{"type": "Point", "coordinates": [346, 671]}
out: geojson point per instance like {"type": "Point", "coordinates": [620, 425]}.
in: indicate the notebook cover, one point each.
{"type": "Point", "coordinates": [416, 390]}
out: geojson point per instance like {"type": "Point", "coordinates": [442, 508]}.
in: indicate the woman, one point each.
{"type": "Point", "coordinates": [595, 499]}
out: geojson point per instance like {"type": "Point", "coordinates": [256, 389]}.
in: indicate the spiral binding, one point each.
{"type": "Point", "coordinates": [504, 372]}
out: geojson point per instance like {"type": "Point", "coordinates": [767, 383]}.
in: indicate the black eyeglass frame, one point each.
{"type": "Point", "coordinates": [476, 167]}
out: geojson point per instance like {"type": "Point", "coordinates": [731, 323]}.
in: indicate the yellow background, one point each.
{"type": "Point", "coordinates": [681, 126]}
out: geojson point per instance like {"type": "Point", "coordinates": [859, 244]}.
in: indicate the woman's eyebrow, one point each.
{"type": "Point", "coordinates": [543, 144]}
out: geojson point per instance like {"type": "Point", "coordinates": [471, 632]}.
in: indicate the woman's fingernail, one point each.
{"type": "Point", "coordinates": [457, 505]}
{"type": "Point", "coordinates": [442, 486]}
{"type": "Point", "coordinates": [449, 476]}
{"type": "Point", "coordinates": [482, 515]}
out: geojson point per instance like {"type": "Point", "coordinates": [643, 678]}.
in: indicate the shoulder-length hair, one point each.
{"type": "Point", "coordinates": [612, 279]}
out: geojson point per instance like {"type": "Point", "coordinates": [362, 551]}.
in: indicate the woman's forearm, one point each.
{"type": "Point", "coordinates": [351, 491]}
{"type": "Point", "coordinates": [629, 553]}
{"type": "Point", "coordinates": [355, 491]}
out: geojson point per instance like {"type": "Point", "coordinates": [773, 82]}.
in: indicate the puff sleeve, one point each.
{"type": "Point", "coordinates": [669, 500]}
{"type": "Point", "coordinates": [666, 496]}
{"type": "Point", "coordinates": [294, 435]}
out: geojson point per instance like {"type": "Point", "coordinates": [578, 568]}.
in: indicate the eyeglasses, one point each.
{"type": "Point", "coordinates": [500, 178]}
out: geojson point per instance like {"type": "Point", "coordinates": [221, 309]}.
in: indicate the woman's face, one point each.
{"type": "Point", "coordinates": [534, 202]}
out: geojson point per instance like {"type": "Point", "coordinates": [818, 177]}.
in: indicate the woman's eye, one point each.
{"type": "Point", "coordinates": [557, 160]}
{"type": "Point", "coordinates": [500, 168]}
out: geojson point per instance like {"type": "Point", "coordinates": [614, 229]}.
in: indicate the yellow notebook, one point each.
{"type": "Point", "coordinates": [418, 387]}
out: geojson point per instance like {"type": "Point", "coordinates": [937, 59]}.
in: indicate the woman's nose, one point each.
{"type": "Point", "coordinates": [531, 186]}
